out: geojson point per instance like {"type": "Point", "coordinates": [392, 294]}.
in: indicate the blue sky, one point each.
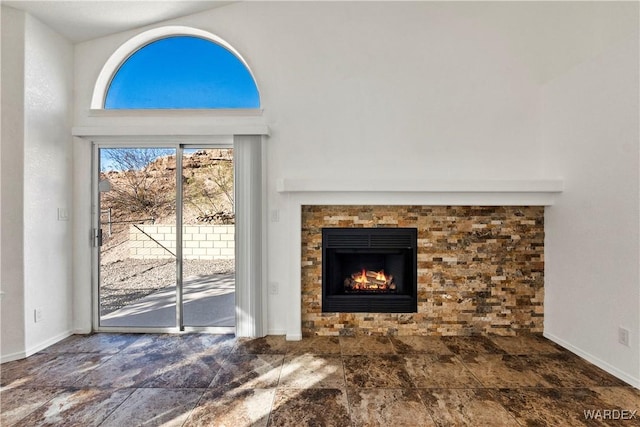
{"type": "Point", "coordinates": [182, 72]}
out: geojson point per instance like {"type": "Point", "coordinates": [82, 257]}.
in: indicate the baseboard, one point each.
{"type": "Point", "coordinates": [36, 348]}
{"type": "Point", "coordinates": [83, 331]}
{"type": "Point", "coordinates": [293, 337]}
{"type": "Point", "coordinates": [635, 382]}
{"type": "Point", "coordinates": [13, 356]}
{"type": "Point", "coordinates": [41, 346]}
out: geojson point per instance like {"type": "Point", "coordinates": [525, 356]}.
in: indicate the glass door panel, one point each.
{"type": "Point", "coordinates": [208, 238]}
{"type": "Point", "coordinates": [137, 255]}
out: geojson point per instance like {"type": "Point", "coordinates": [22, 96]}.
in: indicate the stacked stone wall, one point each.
{"type": "Point", "coordinates": [480, 270]}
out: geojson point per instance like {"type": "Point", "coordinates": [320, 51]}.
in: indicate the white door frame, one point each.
{"type": "Point", "coordinates": [249, 162]}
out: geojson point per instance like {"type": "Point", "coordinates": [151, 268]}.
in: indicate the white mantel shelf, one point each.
{"type": "Point", "coordinates": [422, 186]}
{"type": "Point", "coordinates": [455, 192]}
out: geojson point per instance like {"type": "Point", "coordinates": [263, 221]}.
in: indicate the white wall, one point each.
{"type": "Point", "coordinates": [590, 125]}
{"type": "Point", "coordinates": [36, 169]}
{"type": "Point", "coordinates": [371, 76]}
{"type": "Point", "coordinates": [446, 90]}
{"type": "Point", "coordinates": [12, 333]}
{"type": "Point", "coordinates": [48, 185]}
{"type": "Point", "coordinates": [423, 90]}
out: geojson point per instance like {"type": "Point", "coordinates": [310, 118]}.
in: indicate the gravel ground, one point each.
{"type": "Point", "coordinates": [127, 280]}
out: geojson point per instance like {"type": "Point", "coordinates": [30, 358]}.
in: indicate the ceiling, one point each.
{"type": "Point", "coordinates": [82, 20]}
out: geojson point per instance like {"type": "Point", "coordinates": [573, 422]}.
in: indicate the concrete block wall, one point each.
{"type": "Point", "coordinates": [205, 242]}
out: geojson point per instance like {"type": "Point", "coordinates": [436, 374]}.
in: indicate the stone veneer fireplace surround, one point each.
{"type": "Point", "coordinates": [424, 193]}
{"type": "Point", "coordinates": [480, 270]}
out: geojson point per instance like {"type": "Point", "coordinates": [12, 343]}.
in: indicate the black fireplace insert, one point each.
{"type": "Point", "coordinates": [369, 270]}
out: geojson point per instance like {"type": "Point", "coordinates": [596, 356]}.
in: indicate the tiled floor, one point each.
{"type": "Point", "coordinates": [208, 380]}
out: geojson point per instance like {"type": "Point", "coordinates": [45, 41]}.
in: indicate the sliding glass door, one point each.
{"type": "Point", "coordinates": [208, 238]}
{"type": "Point", "coordinates": [165, 231]}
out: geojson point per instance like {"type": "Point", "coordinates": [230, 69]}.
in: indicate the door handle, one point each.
{"type": "Point", "coordinates": [98, 237]}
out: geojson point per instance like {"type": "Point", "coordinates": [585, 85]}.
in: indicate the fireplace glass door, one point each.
{"type": "Point", "coordinates": [369, 270]}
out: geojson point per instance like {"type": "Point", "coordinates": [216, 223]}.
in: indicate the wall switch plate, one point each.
{"type": "Point", "coordinates": [63, 214]}
{"type": "Point", "coordinates": [623, 336]}
{"type": "Point", "coordinates": [275, 215]}
{"type": "Point", "coordinates": [274, 288]}
{"type": "Point", "coordinates": [37, 315]}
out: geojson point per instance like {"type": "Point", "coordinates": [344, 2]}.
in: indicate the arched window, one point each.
{"type": "Point", "coordinates": [182, 71]}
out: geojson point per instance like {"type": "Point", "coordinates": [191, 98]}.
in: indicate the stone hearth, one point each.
{"type": "Point", "coordinates": [480, 270]}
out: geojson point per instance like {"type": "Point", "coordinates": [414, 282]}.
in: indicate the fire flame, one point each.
{"type": "Point", "coordinates": [371, 280]}
{"type": "Point", "coordinates": [362, 278]}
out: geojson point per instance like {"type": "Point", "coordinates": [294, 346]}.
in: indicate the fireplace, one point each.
{"type": "Point", "coordinates": [480, 270]}
{"type": "Point", "coordinates": [369, 270]}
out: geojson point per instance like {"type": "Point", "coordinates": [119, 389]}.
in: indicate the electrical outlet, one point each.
{"type": "Point", "coordinates": [623, 336]}
{"type": "Point", "coordinates": [274, 288]}
{"type": "Point", "coordinates": [37, 315]}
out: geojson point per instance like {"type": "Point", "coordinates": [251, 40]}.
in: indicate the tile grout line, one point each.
{"type": "Point", "coordinates": [276, 388]}
{"type": "Point", "coordinates": [133, 390]}
{"type": "Point", "coordinates": [116, 388]}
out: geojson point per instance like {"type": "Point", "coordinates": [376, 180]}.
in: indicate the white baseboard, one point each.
{"type": "Point", "coordinates": [635, 382]}
{"type": "Point", "coordinates": [41, 346]}
{"type": "Point", "coordinates": [13, 356]}
{"type": "Point", "coordinates": [294, 337]}
{"type": "Point", "coordinates": [82, 331]}
{"type": "Point", "coordinates": [35, 348]}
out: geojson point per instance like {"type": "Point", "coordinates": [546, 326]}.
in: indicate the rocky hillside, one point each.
{"type": "Point", "coordinates": [149, 190]}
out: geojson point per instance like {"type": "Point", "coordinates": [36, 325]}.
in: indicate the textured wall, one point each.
{"type": "Point", "coordinates": [12, 218]}
{"type": "Point", "coordinates": [480, 270]}
{"type": "Point", "coordinates": [48, 99]}
{"type": "Point", "coordinates": [591, 129]}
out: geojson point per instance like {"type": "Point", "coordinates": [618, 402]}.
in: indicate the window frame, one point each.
{"type": "Point", "coordinates": [134, 44]}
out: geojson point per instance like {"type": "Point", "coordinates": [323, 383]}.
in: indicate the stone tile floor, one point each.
{"type": "Point", "coordinates": [213, 380]}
